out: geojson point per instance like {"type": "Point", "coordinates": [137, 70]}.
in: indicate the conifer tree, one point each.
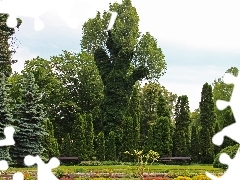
{"type": "Point", "coordinates": [6, 118]}
{"type": "Point", "coordinates": [181, 139]}
{"type": "Point", "coordinates": [66, 146]}
{"type": "Point", "coordinates": [52, 148]}
{"type": "Point", "coordinates": [89, 135]}
{"type": "Point", "coordinates": [207, 121]}
{"type": "Point", "coordinates": [111, 147]}
{"type": "Point", "coordinates": [29, 130]}
{"type": "Point", "coordinates": [149, 144]}
{"type": "Point", "coordinates": [194, 144]}
{"type": "Point", "coordinates": [78, 137]}
{"type": "Point", "coordinates": [100, 147]}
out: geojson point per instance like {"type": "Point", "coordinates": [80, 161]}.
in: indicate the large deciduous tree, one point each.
{"type": "Point", "coordinates": [123, 56]}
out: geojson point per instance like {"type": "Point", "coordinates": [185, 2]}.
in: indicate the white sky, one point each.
{"type": "Point", "coordinates": [200, 39]}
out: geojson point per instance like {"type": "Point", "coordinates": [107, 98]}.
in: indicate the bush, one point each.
{"type": "Point", "coordinates": [230, 150]}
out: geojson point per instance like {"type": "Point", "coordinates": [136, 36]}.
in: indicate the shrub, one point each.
{"type": "Point", "coordinates": [230, 150]}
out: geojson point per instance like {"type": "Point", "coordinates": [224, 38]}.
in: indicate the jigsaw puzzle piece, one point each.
{"type": "Point", "coordinates": [3, 165]}
{"type": "Point", "coordinates": [32, 9]}
{"type": "Point", "coordinates": [44, 170]}
{"type": "Point", "coordinates": [228, 131]}
{"type": "Point", "coordinates": [18, 176]}
{"type": "Point", "coordinates": [8, 132]}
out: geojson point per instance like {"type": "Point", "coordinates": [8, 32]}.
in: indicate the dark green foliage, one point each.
{"type": "Point", "coordinates": [149, 144]}
{"type": "Point", "coordinates": [181, 138]}
{"type": "Point", "coordinates": [89, 135]}
{"type": "Point", "coordinates": [207, 122]}
{"type": "Point", "coordinates": [162, 136]}
{"type": "Point", "coordinates": [29, 126]}
{"type": "Point", "coordinates": [100, 147]}
{"type": "Point", "coordinates": [51, 144]}
{"type": "Point", "coordinates": [206, 147]}
{"type": "Point", "coordinates": [66, 146]}
{"type": "Point", "coordinates": [79, 147]}
{"type": "Point", "coordinates": [6, 118]}
{"type": "Point", "coordinates": [194, 150]}
{"type": "Point", "coordinates": [111, 147]}
{"type": "Point", "coordinates": [230, 150]}
{"type": "Point", "coordinates": [228, 120]}
{"type": "Point", "coordinates": [122, 57]}
{"type": "Point", "coordinates": [7, 43]}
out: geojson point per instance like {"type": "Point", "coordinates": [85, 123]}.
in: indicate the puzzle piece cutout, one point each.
{"type": "Point", "coordinates": [36, 8]}
{"type": "Point", "coordinates": [8, 132]}
{"type": "Point", "coordinates": [233, 167]}
{"type": "Point", "coordinates": [44, 171]}
{"type": "Point", "coordinates": [230, 131]}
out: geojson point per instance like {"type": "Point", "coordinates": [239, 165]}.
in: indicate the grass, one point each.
{"type": "Point", "coordinates": [129, 169]}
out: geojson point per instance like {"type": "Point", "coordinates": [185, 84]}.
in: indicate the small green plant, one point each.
{"type": "Point", "coordinates": [143, 159]}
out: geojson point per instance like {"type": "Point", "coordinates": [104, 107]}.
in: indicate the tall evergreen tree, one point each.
{"type": "Point", "coordinates": [79, 147]}
{"type": "Point", "coordinates": [207, 121]}
{"type": "Point", "coordinates": [51, 144]}
{"type": "Point", "coordinates": [6, 118]}
{"type": "Point", "coordinates": [181, 139]}
{"type": "Point", "coordinates": [7, 45]}
{"type": "Point", "coordinates": [30, 131]}
{"type": "Point", "coordinates": [89, 135]}
{"type": "Point", "coordinates": [194, 144]}
{"type": "Point", "coordinates": [149, 144]}
{"type": "Point", "coordinates": [66, 146]}
{"type": "Point", "coordinates": [217, 149]}
{"type": "Point", "coordinates": [100, 147]}
{"type": "Point", "coordinates": [111, 147]}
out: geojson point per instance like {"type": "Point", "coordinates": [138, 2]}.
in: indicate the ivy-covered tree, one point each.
{"type": "Point", "coordinates": [79, 147]}
{"type": "Point", "coordinates": [66, 146]}
{"type": "Point", "coordinates": [181, 139]}
{"type": "Point", "coordinates": [123, 56]}
{"type": "Point", "coordinates": [111, 147]}
{"type": "Point", "coordinates": [207, 121]}
{"type": "Point", "coordinates": [29, 126]}
{"type": "Point", "coordinates": [194, 150]}
{"type": "Point", "coordinates": [51, 144]}
{"type": "Point", "coordinates": [7, 45]}
{"type": "Point", "coordinates": [100, 147]}
{"type": "Point", "coordinates": [228, 120]}
{"type": "Point", "coordinates": [6, 118]}
{"type": "Point", "coordinates": [89, 135]}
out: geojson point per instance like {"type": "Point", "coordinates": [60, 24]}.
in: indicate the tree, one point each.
{"type": "Point", "coordinates": [79, 147]}
{"type": "Point", "coordinates": [29, 127]}
{"type": "Point", "coordinates": [111, 147]}
{"type": "Point", "coordinates": [82, 86]}
{"type": "Point", "coordinates": [7, 45]}
{"type": "Point", "coordinates": [217, 149]}
{"type": "Point", "coordinates": [51, 144]}
{"type": "Point", "coordinates": [100, 147]}
{"type": "Point", "coordinates": [6, 118]}
{"type": "Point", "coordinates": [222, 91]}
{"type": "Point", "coordinates": [122, 57]}
{"type": "Point", "coordinates": [207, 121]}
{"type": "Point", "coordinates": [181, 139]}
{"type": "Point", "coordinates": [195, 144]}
{"type": "Point", "coordinates": [89, 135]}
{"type": "Point", "coordinates": [228, 120]}
{"type": "Point", "coordinates": [66, 146]}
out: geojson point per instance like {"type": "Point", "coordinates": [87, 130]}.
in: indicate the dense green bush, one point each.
{"type": "Point", "coordinates": [230, 150]}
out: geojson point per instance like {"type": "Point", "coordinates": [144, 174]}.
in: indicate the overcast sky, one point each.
{"type": "Point", "coordinates": [200, 40]}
